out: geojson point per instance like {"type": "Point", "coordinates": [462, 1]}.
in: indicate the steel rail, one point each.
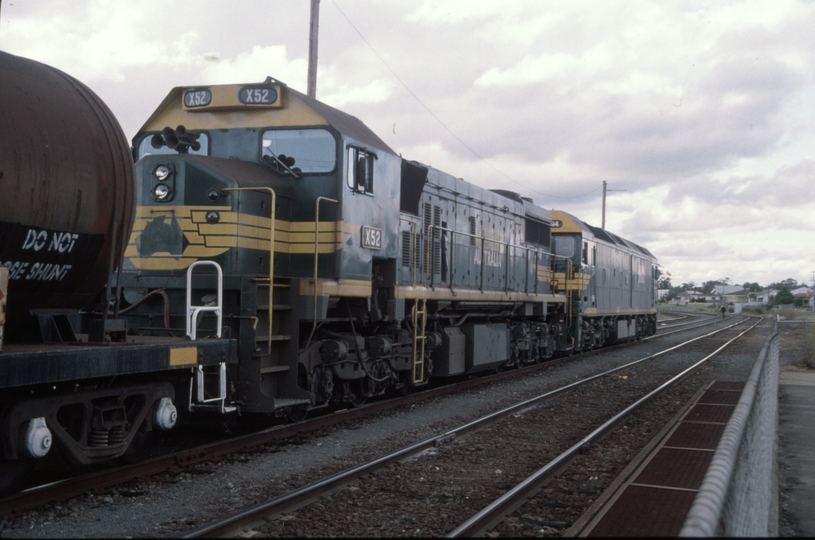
{"type": "Point", "coordinates": [494, 513]}
{"type": "Point", "coordinates": [699, 324]}
{"type": "Point", "coordinates": [231, 524]}
{"type": "Point", "coordinates": [670, 324]}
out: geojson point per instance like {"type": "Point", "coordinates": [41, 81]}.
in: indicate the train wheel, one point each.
{"type": "Point", "coordinates": [141, 445]}
{"type": "Point", "coordinates": [358, 401]}
{"type": "Point", "coordinates": [297, 414]}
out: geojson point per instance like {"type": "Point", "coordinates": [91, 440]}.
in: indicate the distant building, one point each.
{"type": "Point", "coordinates": [738, 297]}
{"type": "Point", "coordinates": [690, 296]}
{"type": "Point", "coordinates": [765, 296]}
{"type": "Point", "coordinates": [804, 294]}
{"type": "Point", "coordinates": [727, 289]}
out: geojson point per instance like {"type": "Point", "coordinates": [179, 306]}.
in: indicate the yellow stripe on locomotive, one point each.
{"type": "Point", "coordinates": [204, 240]}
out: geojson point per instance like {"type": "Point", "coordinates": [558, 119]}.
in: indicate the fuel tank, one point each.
{"type": "Point", "coordinates": [66, 188]}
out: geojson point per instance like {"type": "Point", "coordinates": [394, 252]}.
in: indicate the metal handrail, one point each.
{"type": "Point", "coordinates": [271, 253]}
{"type": "Point", "coordinates": [316, 255]}
{"type": "Point", "coordinates": [429, 255]}
{"type": "Point", "coordinates": [193, 311]}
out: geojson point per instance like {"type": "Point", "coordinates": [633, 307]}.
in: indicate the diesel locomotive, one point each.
{"type": "Point", "coordinates": [273, 256]}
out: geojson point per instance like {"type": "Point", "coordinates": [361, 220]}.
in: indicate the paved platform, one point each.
{"type": "Point", "coordinates": [796, 435]}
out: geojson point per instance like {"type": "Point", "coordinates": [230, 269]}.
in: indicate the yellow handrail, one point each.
{"type": "Point", "coordinates": [316, 252]}
{"type": "Point", "coordinates": [271, 253]}
{"type": "Point", "coordinates": [419, 308]}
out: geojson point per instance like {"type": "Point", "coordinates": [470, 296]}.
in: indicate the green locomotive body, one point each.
{"type": "Point", "coordinates": [347, 270]}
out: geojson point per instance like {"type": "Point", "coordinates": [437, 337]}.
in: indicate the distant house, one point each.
{"type": "Point", "coordinates": [689, 296]}
{"type": "Point", "coordinates": [801, 292]}
{"type": "Point", "coordinates": [727, 289]}
{"type": "Point", "coordinates": [738, 297]}
{"type": "Point", "coordinates": [764, 296]}
{"type": "Point", "coordinates": [804, 294]}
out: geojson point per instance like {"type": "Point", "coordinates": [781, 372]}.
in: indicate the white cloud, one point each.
{"type": "Point", "coordinates": [376, 91]}
{"type": "Point", "coordinates": [701, 111]}
{"type": "Point", "coordinates": [255, 65]}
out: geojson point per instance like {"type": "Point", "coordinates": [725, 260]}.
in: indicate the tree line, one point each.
{"type": "Point", "coordinates": [783, 297]}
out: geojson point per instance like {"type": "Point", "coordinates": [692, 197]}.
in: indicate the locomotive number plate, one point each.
{"type": "Point", "coordinates": [250, 95]}
{"type": "Point", "coordinates": [371, 237]}
{"type": "Point", "coordinates": [197, 98]}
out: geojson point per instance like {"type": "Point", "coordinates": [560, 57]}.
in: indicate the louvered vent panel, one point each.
{"type": "Point", "coordinates": [407, 249]}
{"type": "Point", "coordinates": [428, 217]}
{"type": "Point", "coordinates": [436, 240]}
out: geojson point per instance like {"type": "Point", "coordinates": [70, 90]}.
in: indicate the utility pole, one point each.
{"type": "Point", "coordinates": [605, 184]}
{"type": "Point", "coordinates": [314, 26]}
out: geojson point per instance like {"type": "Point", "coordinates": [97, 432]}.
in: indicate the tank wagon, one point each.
{"type": "Point", "coordinates": [68, 373]}
{"type": "Point", "coordinates": [610, 283]}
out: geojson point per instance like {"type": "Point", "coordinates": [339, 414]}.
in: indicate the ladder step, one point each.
{"type": "Point", "coordinates": [274, 369]}
{"type": "Point", "coordinates": [289, 402]}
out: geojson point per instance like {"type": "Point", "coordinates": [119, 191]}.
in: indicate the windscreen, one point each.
{"type": "Point", "coordinates": [299, 150]}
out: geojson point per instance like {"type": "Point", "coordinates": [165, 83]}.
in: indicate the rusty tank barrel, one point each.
{"type": "Point", "coordinates": [66, 188]}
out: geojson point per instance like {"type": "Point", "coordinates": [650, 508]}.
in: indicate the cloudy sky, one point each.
{"type": "Point", "coordinates": [698, 114]}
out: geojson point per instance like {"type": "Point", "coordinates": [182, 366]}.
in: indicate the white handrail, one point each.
{"type": "Point", "coordinates": [193, 311]}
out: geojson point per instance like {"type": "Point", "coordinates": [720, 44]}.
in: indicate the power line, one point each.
{"type": "Point", "coordinates": [450, 131]}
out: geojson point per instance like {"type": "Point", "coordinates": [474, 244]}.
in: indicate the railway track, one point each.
{"type": "Point", "coordinates": [61, 488]}
{"type": "Point", "coordinates": [184, 459]}
{"type": "Point", "coordinates": [261, 519]}
{"type": "Point", "coordinates": [686, 319]}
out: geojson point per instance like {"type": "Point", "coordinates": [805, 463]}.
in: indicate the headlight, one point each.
{"type": "Point", "coordinates": [161, 192]}
{"type": "Point", "coordinates": [162, 172]}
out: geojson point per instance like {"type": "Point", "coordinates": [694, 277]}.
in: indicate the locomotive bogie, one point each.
{"type": "Point", "coordinates": [89, 426]}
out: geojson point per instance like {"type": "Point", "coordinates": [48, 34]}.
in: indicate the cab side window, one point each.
{"type": "Point", "coordinates": [361, 170]}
